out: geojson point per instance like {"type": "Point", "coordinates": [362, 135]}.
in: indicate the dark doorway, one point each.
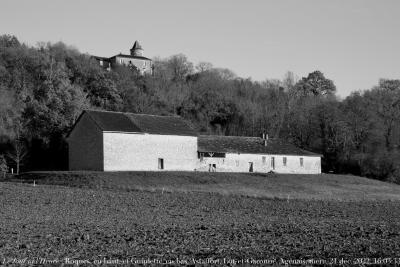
{"type": "Point", "coordinates": [250, 166]}
{"type": "Point", "coordinates": [212, 167]}
{"type": "Point", "coordinates": [161, 164]}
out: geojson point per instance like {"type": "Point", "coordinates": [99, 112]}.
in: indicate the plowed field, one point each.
{"type": "Point", "coordinates": [58, 222]}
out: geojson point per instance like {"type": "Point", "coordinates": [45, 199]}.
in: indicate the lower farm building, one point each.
{"type": "Point", "coordinates": [254, 154]}
{"type": "Point", "coordinates": [116, 141]}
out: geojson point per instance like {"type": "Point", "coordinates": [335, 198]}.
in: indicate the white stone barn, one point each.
{"type": "Point", "coordinates": [115, 141]}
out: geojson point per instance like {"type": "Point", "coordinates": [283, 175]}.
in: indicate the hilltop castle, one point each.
{"type": "Point", "coordinates": [135, 60]}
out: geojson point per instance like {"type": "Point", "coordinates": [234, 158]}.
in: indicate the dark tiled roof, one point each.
{"type": "Point", "coordinates": [130, 56]}
{"type": "Point", "coordinates": [112, 121]}
{"type": "Point", "coordinates": [249, 145]}
{"type": "Point", "coordinates": [101, 58]}
{"type": "Point", "coordinates": [172, 125]}
{"type": "Point", "coordinates": [143, 123]}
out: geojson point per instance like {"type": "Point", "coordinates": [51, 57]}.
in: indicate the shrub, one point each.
{"type": "Point", "coordinates": [3, 166]}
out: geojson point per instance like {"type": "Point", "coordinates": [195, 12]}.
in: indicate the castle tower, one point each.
{"type": "Point", "coordinates": [136, 49]}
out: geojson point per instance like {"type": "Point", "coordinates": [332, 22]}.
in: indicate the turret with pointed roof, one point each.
{"type": "Point", "coordinates": [136, 49]}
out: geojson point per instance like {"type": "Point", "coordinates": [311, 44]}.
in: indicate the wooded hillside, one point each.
{"type": "Point", "coordinates": [43, 89]}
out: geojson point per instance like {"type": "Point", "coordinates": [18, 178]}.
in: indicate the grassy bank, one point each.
{"type": "Point", "coordinates": [281, 186]}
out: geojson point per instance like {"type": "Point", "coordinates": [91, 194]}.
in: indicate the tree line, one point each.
{"type": "Point", "coordinates": [43, 89]}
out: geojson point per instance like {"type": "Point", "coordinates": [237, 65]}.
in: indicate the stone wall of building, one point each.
{"type": "Point", "coordinates": [234, 162]}
{"type": "Point", "coordinates": [137, 152]}
{"type": "Point", "coordinates": [144, 66]}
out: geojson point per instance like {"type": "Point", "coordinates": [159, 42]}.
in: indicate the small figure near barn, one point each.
{"type": "Point", "coordinates": [116, 141]}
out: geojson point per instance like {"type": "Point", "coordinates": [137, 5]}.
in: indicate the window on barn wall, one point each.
{"type": "Point", "coordinates": [284, 161]}
{"type": "Point", "coordinates": [273, 163]}
{"type": "Point", "coordinates": [214, 155]}
{"type": "Point", "coordinates": [161, 164]}
{"type": "Point", "coordinates": [201, 157]}
{"type": "Point", "coordinates": [250, 166]}
{"type": "Point", "coordinates": [237, 163]}
{"type": "Point", "coordinates": [301, 162]}
{"type": "Point", "coordinates": [264, 160]}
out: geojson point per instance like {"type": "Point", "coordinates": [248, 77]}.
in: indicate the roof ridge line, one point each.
{"type": "Point", "coordinates": [130, 56]}
{"type": "Point", "coordinates": [140, 114]}
{"type": "Point", "coordinates": [236, 136]}
{"type": "Point", "coordinates": [155, 115]}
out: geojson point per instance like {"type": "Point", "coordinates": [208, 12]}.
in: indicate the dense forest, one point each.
{"type": "Point", "coordinates": [43, 89]}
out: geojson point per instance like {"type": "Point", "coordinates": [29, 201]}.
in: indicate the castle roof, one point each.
{"type": "Point", "coordinates": [130, 56]}
{"type": "Point", "coordinates": [136, 45]}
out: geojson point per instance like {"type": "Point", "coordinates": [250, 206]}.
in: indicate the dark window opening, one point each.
{"type": "Point", "coordinates": [301, 162]}
{"type": "Point", "coordinates": [161, 164]}
{"type": "Point", "coordinates": [212, 167]}
{"type": "Point", "coordinates": [273, 163]}
{"type": "Point", "coordinates": [284, 161]}
{"type": "Point", "coordinates": [250, 166]}
{"type": "Point", "coordinates": [213, 154]}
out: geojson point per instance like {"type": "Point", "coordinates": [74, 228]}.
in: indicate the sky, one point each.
{"type": "Point", "coordinates": [353, 42]}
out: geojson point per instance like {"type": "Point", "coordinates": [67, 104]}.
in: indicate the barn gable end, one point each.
{"type": "Point", "coordinates": [85, 145]}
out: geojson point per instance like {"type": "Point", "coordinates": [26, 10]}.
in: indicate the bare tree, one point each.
{"type": "Point", "coordinates": [204, 66]}
{"type": "Point", "coordinates": [18, 153]}
{"type": "Point", "coordinates": [179, 67]}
